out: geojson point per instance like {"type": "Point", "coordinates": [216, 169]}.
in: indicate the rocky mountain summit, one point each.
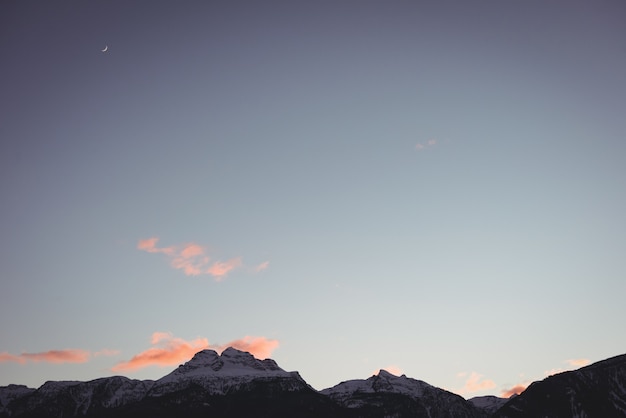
{"type": "Point", "coordinates": [229, 372]}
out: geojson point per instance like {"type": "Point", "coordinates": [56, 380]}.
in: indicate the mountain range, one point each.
{"type": "Point", "coordinates": [235, 384]}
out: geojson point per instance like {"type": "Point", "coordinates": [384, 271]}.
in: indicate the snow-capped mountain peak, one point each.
{"type": "Point", "coordinates": [382, 382]}
{"type": "Point", "coordinates": [245, 360]}
{"type": "Point", "coordinates": [231, 362]}
{"type": "Point", "coordinates": [405, 396]}
{"type": "Point", "coordinates": [219, 374]}
{"type": "Point", "coordinates": [386, 374]}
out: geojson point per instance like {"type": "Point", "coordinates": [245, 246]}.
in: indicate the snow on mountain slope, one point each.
{"type": "Point", "coordinates": [488, 404]}
{"type": "Point", "coordinates": [219, 375]}
{"type": "Point", "coordinates": [109, 392]}
{"type": "Point", "coordinates": [382, 382]}
{"type": "Point", "coordinates": [79, 398]}
{"type": "Point", "coordinates": [387, 394]}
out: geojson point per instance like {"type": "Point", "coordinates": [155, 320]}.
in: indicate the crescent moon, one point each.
{"type": "Point", "coordinates": [106, 48]}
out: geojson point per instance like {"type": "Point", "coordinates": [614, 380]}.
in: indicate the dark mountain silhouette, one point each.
{"type": "Point", "coordinates": [387, 395]}
{"type": "Point", "coordinates": [235, 384]}
{"type": "Point", "coordinates": [598, 390]}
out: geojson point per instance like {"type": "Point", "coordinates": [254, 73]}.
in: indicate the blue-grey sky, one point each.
{"type": "Point", "coordinates": [433, 187]}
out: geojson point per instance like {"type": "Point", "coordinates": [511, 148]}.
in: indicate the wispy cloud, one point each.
{"type": "Point", "coordinates": [579, 362]}
{"type": "Point", "coordinates": [169, 350]}
{"type": "Point", "coordinates": [52, 356]}
{"type": "Point", "coordinates": [259, 347]}
{"type": "Point", "coordinates": [6, 357]}
{"type": "Point", "coordinates": [515, 390]}
{"type": "Point", "coordinates": [149, 245]}
{"type": "Point", "coordinates": [106, 352]}
{"type": "Point", "coordinates": [420, 146]}
{"type": "Point", "coordinates": [264, 265]}
{"type": "Point", "coordinates": [475, 383]}
{"type": "Point", "coordinates": [191, 258]}
{"type": "Point", "coordinates": [553, 371]}
{"type": "Point", "coordinates": [520, 387]}
{"type": "Point", "coordinates": [220, 269]}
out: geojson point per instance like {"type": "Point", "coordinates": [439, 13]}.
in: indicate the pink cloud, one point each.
{"type": "Point", "coordinates": [169, 351]}
{"type": "Point", "coordinates": [7, 357]}
{"type": "Point", "coordinates": [476, 383]}
{"type": "Point", "coordinates": [52, 356]}
{"type": "Point", "coordinates": [160, 336]}
{"type": "Point", "coordinates": [259, 347]}
{"type": "Point", "coordinates": [554, 371]}
{"type": "Point", "coordinates": [580, 362]}
{"type": "Point", "coordinates": [106, 352]}
{"type": "Point", "coordinates": [191, 250]}
{"type": "Point", "coordinates": [515, 390]}
{"type": "Point", "coordinates": [220, 269]}
{"type": "Point", "coordinates": [149, 245]}
{"type": "Point", "coordinates": [264, 265]}
{"type": "Point", "coordinates": [191, 258]}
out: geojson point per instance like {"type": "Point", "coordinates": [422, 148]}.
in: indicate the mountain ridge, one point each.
{"type": "Point", "coordinates": [236, 384]}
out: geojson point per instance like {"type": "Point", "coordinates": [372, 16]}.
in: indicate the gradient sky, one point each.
{"type": "Point", "coordinates": [433, 187]}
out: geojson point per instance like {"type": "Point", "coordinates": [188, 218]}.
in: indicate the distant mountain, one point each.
{"type": "Point", "coordinates": [489, 404]}
{"type": "Point", "coordinates": [10, 393]}
{"type": "Point", "coordinates": [62, 399]}
{"type": "Point", "coordinates": [235, 384]}
{"type": "Point", "coordinates": [598, 390]}
{"type": "Point", "coordinates": [385, 395]}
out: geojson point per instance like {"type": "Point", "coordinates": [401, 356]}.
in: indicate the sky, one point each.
{"type": "Point", "coordinates": [436, 188]}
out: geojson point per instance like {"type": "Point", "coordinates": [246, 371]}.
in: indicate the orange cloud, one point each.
{"type": "Point", "coordinates": [191, 258]}
{"type": "Point", "coordinates": [52, 356]}
{"type": "Point", "coordinates": [476, 383]}
{"type": "Point", "coordinates": [515, 390]}
{"type": "Point", "coordinates": [6, 357]}
{"type": "Point", "coordinates": [171, 351]}
{"type": "Point", "coordinates": [259, 347]}
{"type": "Point", "coordinates": [580, 362]}
{"type": "Point", "coordinates": [160, 336]}
{"type": "Point", "coordinates": [106, 352]}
